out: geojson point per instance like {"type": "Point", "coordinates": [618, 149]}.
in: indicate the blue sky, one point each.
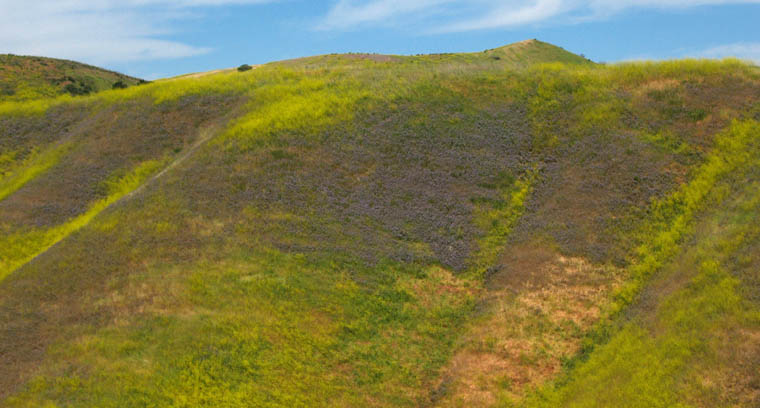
{"type": "Point", "coordinates": [160, 38]}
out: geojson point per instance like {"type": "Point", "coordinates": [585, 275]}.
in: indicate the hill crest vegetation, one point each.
{"type": "Point", "coordinates": [26, 78]}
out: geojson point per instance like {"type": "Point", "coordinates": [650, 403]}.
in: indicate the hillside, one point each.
{"type": "Point", "coordinates": [449, 230]}
{"type": "Point", "coordinates": [24, 78]}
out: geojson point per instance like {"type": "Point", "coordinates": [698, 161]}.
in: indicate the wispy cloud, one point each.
{"type": "Point", "coordinates": [745, 51]}
{"type": "Point", "coordinates": [510, 15]}
{"type": "Point", "coordinates": [470, 15]}
{"type": "Point", "coordinates": [100, 31]}
{"type": "Point", "coordinates": [348, 13]}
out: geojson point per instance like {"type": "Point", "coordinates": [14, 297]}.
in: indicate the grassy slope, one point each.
{"type": "Point", "coordinates": [690, 340]}
{"type": "Point", "coordinates": [24, 78]}
{"type": "Point", "coordinates": [450, 230]}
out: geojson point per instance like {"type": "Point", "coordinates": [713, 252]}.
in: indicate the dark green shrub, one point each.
{"type": "Point", "coordinates": [244, 67]}
{"type": "Point", "coordinates": [79, 87]}
{"type": "Point", "coordinates": [74, 89]}
{"type": "Point", "coordinates": [7, 90]}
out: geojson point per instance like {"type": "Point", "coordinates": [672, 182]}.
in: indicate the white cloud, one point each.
{"type": "Point", "coordinates": [99, 31]}
{"type": "Point", "coordinates": [469, 15]}
{"type": "Point", "coordinates": [347, 13]}
{"type": "Point", "coordinates": [510, 15]}
{"type": "Point", "coordinates": [745, 51]}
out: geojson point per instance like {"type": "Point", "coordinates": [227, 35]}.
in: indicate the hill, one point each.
{"type": "Point", "coordinates": [525, 53]}
{"type": "Point", "coordinates": [23, 78]}
{"type": "Point", "coordinates": [450, 230]}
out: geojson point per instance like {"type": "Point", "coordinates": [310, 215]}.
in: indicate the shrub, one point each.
{"type": "Point", "coordinates": [7, 90]}
{"type": "Point", "coordinates": [119, 85]}
{"type": "Point", "coordinates": [244, 67]}
{"type": "Point", "coordinates": [78, 88]}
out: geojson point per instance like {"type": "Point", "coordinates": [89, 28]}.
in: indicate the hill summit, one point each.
{"type": "Point", "coordinates": [534, 51]}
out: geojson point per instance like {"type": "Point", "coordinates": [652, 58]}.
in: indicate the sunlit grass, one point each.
{"type": "Point", "coordinates": [35, 164]}
{"type": "Point", "coordinates": [660, 362]}
{"type": "Point", "coordinates": [18, 248]}
{"type": "Point", "coordinates": [241, 322]}
{"type": "Point", "coordinates": [498, 218]}
{"type": "Point", "coordinates": [629, 364]}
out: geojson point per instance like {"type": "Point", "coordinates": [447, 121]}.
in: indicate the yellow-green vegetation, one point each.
{"type": "Point", "coordinates": [295, 103]}
{"type": "Point", "coordinates": [654, 365]}
{"type": "Point", "coordinates": [661, 358]}
{"type": "Point", "coordinates": [27, 78]}
{"type": "Point", "coordinates": [736, 151]}
{"type": "Point", "coordinates": [19, 247]}
{"type": "Point", "coordinates": [31, 107]}
{"type": "Point", "coordinates": [513, 227]}
{"type": "Point", "coordinates": [15, 175]}
{"type": "Point", "coordinates": [253, 337]}
{"type": "Point", "coordinates": [498, 217]}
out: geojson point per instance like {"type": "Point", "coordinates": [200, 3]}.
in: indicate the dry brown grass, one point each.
{"type": "Point", "coordinates": [659, 84]}
{"type": "Point", "coordinates": [534, 318]}
{"type": "Point", "coordinates": [736, 380]}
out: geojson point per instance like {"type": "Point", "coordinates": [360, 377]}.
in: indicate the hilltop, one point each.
{"type": "Point", "coordinates": [513, 227]}
{"type": "Point", "coordinates": [24, 78]}
{"type": "Point", "coordinates": [525, 53]}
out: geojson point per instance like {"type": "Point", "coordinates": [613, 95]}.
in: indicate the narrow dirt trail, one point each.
{"type": "Point", "coordinates": [205, 135]}
{"type": "Point", "coordinates": [26, 340]}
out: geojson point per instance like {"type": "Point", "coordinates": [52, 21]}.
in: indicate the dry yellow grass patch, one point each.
{"type": "Point", "coordinates": [440, 287]}
{"type": "Point", "coordinates": [530, 324]}
{"type": "Point", "coordinates": [151, 293]}
{"type": "Point", "coordinates": [660, 84]}
{"type": "Point", "coordinates": [735, 377]}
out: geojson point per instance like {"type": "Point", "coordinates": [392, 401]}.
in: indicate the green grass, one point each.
{"type": "Point", "coordinates": [18, 174]}
{"type": "Point", "coordinates": [27, 78]}
{"type": "Point", "coordinates": [630, 364]}
{"type": "Point", "coordinates": [268, 329]}
{"type": "Point", "coordinates": [498, 218]}
{"type": "Point", "coordinates": [673, 218]}
{"type": "Point", "coordinates": [341, 238]}
{"type": "Point", "coordinates": [19, 247]}
{"type": "Point", "coordinates": [661, 362]}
